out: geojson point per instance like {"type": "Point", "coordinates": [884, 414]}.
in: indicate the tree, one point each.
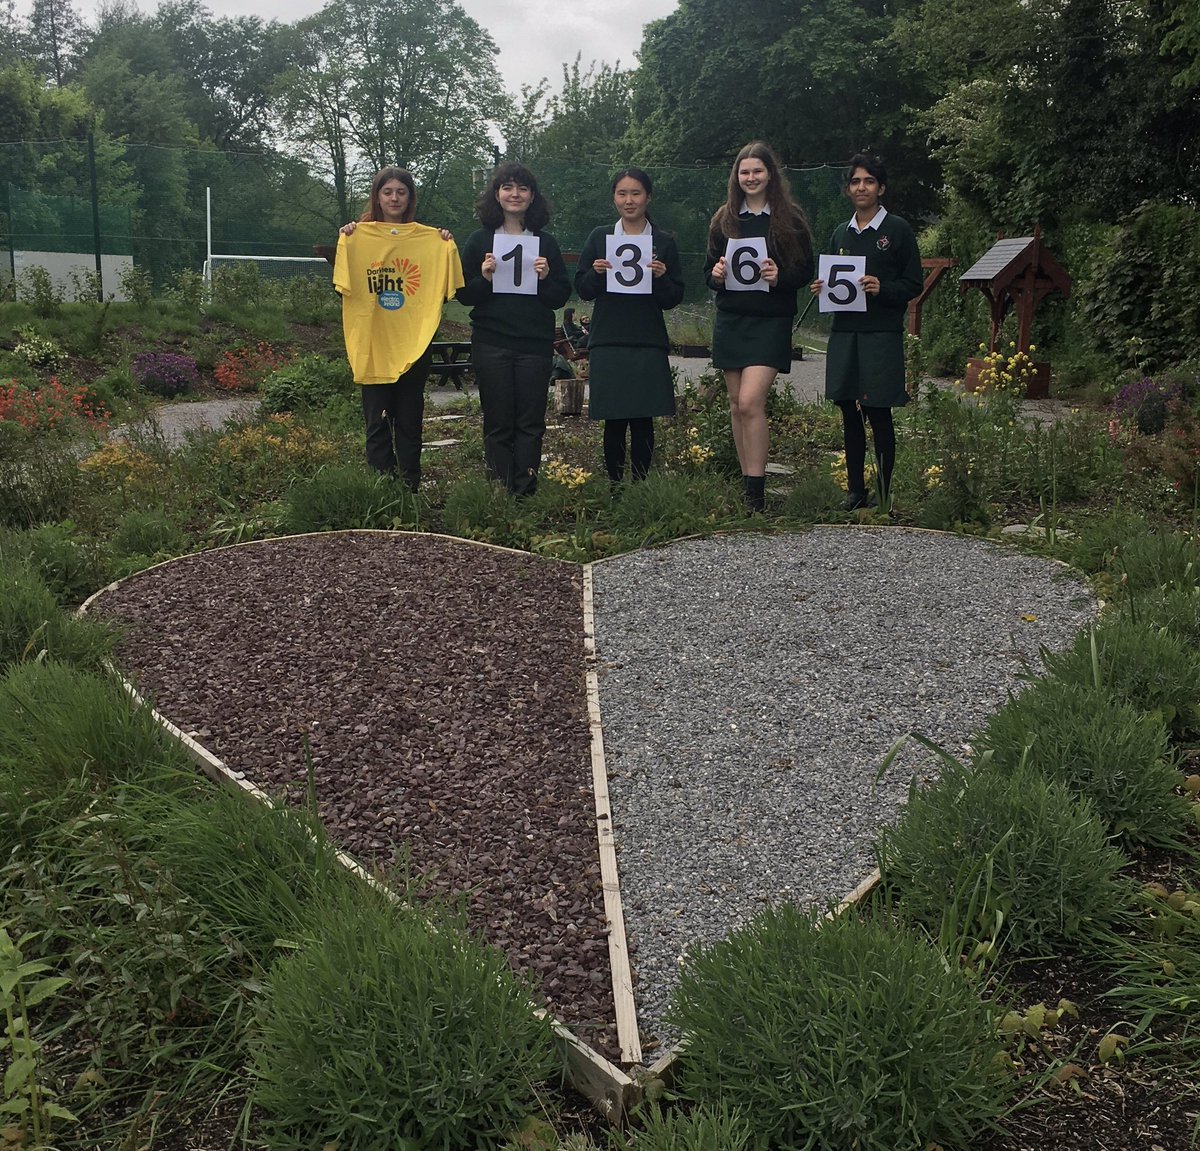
{"type": "Point", "coordinates": [229, 69]}
{"type": "Point", "coordinates": [818, 79]}
{"type": "Point", "coordinates": [524, 122]}
{"type": "Point", "coordinates": [589, 116]}
{"type": "Point", "coordinates": [56, 38]}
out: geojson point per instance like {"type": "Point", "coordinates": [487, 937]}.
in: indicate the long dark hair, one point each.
{"type": "Point", "coordinates": [788, 236]}
{"type": "Point", "coordinates": [488, 209]}
{"type": "Point", "coordinates": [391, 172]}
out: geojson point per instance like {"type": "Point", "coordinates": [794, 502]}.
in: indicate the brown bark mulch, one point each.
{"type": "Point", "coordinates": [440, 687]}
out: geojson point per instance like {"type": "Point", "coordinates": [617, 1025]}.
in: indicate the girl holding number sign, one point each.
{"type": "Point", "coordinates": [632, 270]}
{"type": "Point", "coordinates": [864, 366]}
{"type": "Point", "coordinates": [759, 256]}
{"type": "Point", "coordinates": [516, 279]}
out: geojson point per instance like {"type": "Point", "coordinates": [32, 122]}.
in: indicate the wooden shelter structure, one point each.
{"type": "Point", "coordinates": [1015, 273]}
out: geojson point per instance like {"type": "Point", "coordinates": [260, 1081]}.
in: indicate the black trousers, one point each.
{"type": "Point", "coordinates": [393, 416]}
{"type": "Point", "coordinates": [641, 447]}
{"type": "Point", "coordinates": [854, 436]}
{"type": "Point", "coordinates": [513, 387]}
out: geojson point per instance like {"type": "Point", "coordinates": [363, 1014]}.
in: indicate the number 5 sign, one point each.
{"type": "Point", "coordinates": [842, 291]}
{"type": "Point", "coordinates": [630, 257]}
{"type": "Point", "coordinates": [743, 265]}
{"type": "Point", "coordinates": [514, 274]}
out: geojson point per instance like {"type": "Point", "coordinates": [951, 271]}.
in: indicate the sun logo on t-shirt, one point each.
{"type": "Point", "coordinates": [393, 283]}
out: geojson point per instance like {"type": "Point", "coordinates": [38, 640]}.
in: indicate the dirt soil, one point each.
{"type": "Point", "coordinates": [440, 687]}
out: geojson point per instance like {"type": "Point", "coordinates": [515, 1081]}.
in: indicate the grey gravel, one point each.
{"type": "Point", "coordinates": [751, 687]}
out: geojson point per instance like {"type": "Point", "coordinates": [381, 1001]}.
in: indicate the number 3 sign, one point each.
{"type": "Point", "coordinates": [842, 291]}
{"type": "Point", "coordinates": [630, 257]}
{"type": "Point", "coordinates": [514, 274]}
{"type": "Point", "coordinates": [743, 265]}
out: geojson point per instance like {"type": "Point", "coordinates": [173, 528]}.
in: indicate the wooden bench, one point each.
{"type": "Point", "coordinates": [451, 361]}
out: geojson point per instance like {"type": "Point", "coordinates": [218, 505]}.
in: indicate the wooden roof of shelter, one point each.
{"type": "Point", "coordinates": [1016, 272]}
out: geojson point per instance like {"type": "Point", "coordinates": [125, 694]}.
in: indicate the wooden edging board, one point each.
{"type": "Point", "coordinates": [609, 1089]}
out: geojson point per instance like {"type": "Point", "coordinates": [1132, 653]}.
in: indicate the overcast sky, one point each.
{"type": "Point", "coordinates": [535, 37]}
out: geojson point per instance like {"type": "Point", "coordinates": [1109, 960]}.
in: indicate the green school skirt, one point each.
{"type": "Point", "coordinates": [867, 367]}
{"type": "Point", "coordinates": [742, 341]}
{"type": "Point", "coordinates": [628, 383]}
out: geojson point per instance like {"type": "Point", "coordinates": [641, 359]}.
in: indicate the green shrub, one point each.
{"type": "Point", "coordinates": [31, 623]}
{"type": "Point", "coordinates": [385, 1031]}
{"type": "Point", "coordinates": [1098, 539]}
{"type": "Point", "coordinates": [1157, 559]}
{"type": "Point", "coordinates": [310, 382]}
{"type": "Point", "coordinates": [39, 475]}
{"type": "Point", "coordinates": [843, 1035]}
{"type": "Point", "coordinates": [346, 497]}
{"type": "Point", "coordinates": [812, 498]}
{"type": "Point", "coordinates": [1177, 612]}
{"type": "Point", "coordinates": [1117, 757]}
{"type": "Point", "coordinates": [1008, 856]}
{"type": "Point", "coordinates": [701, 1129]}
{"type": "Point", "coordinates": [70, 564]}
{"type": "Point", "coordinates": [1145, 667]}
{"type": "Point", "coordinates": [148, 533]}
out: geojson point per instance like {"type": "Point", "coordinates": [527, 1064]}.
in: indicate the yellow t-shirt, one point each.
{"type": "Point", "coordinates": [393, 279]}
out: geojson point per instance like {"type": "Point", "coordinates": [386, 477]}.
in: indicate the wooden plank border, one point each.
{"type": "Point", "coordinates": [618, 949]}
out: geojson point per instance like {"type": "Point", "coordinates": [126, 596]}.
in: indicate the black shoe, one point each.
{"type": "Point", "coordinates": [855, 500]}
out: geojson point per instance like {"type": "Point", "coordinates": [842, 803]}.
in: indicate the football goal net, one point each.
{"type": "Point", "coordinates": [271, 267]}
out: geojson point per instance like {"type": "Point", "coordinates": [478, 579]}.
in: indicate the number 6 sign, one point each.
{"type": "Point", "coordinates": [630, 257]}
{"type": "Point", "coordinates": [842, 291]}
{"type": "Point", "coordinates": [514, 274]}
{"type": "Point", "coordinates": [743, 265]}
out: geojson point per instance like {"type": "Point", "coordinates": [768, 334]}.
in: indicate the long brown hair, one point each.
{"type": "Point", "coordinates": [391, 172]}
{"type": "Point", "coordinates": [789, 238]}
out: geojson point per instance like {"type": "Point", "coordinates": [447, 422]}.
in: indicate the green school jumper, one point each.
{"type": "Point", "coordinates": [865, 360]}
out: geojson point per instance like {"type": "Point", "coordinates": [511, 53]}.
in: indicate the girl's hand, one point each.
{"type": "Point", "coordinates": [541, 266]}
{"type": "Point", "coordinates": [770, 271]}
{"type": "Point", "coordinates": [718, 272]}
{"type": "Point", "coordinates": [657, 268]}
{"type": "Point", "coordinates": [870, 285]}
{"type": "Point", "coordinates": [348, 229]}
{"type": "Point", "coordinates": [446, 234]}
{"type": "Point", "coordinates": [816, 286]}
{"type": "Point", "coordinates": [601, 266]}
{"type": "Point", "coordinates": [488, 268]}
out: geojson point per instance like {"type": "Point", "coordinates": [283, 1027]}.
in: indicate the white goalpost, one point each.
{"type": "Point", "coordinates": [272, 267]}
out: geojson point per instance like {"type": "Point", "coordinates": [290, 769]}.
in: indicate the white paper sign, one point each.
{"type": "Point", "coordinates": [743, 265]}
{"type": "Point", "coordinates": [842, 291]}
{"type": "Point", "coordinates": [514, 274]}
{"type": "Point", "coordinates": [630, 257]}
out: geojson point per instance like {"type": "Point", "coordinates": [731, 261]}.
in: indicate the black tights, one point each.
{"type": "Point", "coordinates": [641, 447]}
{"type": "Point", "coordinates": [854, 435]}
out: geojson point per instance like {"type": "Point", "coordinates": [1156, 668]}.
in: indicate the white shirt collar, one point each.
{"type": "Point", "coordinates": [873, 222]}
{"type": "Point", "coordinates": [766, 210]}
{"type": "Point", "coordinates": [619, 229]}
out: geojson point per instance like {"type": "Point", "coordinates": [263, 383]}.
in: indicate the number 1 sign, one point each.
{"type": "Point", "coordinates": [743, 265]}
{"type": "Point", "coordinates": [842, 291]}
{"type": "Point", "coordinates": [630, 257]}
{"type": "Point", "coordinates": [514, 274]}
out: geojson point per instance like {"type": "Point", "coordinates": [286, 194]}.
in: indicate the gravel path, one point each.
{"type": "Point", "coordinates": [750, 688]}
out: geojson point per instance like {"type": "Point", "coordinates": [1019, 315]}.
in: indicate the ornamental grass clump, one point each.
{"type": "Point", "coordinates": [33, 627]}
{"type": "Point", "coordinates": [67, 734]}
{"type": "Point", "coordinates": [1002, 858]}
{"type": "Point", "coordinates": [701, 1129]}
{"type": "Point", "coordinates": [664, 507]}
{"type": "Point", "coordinates": [347, 497]}
{"type": "Point", "coordinates": [1177, 612]}
{"type": "Point", "coordinates": [1118, 757]}
{"type": "Point", "coordinates": [848, 1035]}
{"type": "Point", "coordinates": [384, 1030]}
{"type": "Point", "coordinates": [1157, 560]}
{"type": "Point", "coordinates": [1146, 667]}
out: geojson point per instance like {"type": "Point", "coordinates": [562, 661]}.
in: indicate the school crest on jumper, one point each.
{"type": "Point", "coordinates": [883, 243]}
{"type": "Point", "coordinates": [391, 281]}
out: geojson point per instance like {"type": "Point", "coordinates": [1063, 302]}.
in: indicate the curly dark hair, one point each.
{"type": "Point", "coordinates": [488, 209]}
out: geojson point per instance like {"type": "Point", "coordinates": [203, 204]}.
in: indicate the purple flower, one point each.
{"type": "Point", "coordinates": [165, 373]}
